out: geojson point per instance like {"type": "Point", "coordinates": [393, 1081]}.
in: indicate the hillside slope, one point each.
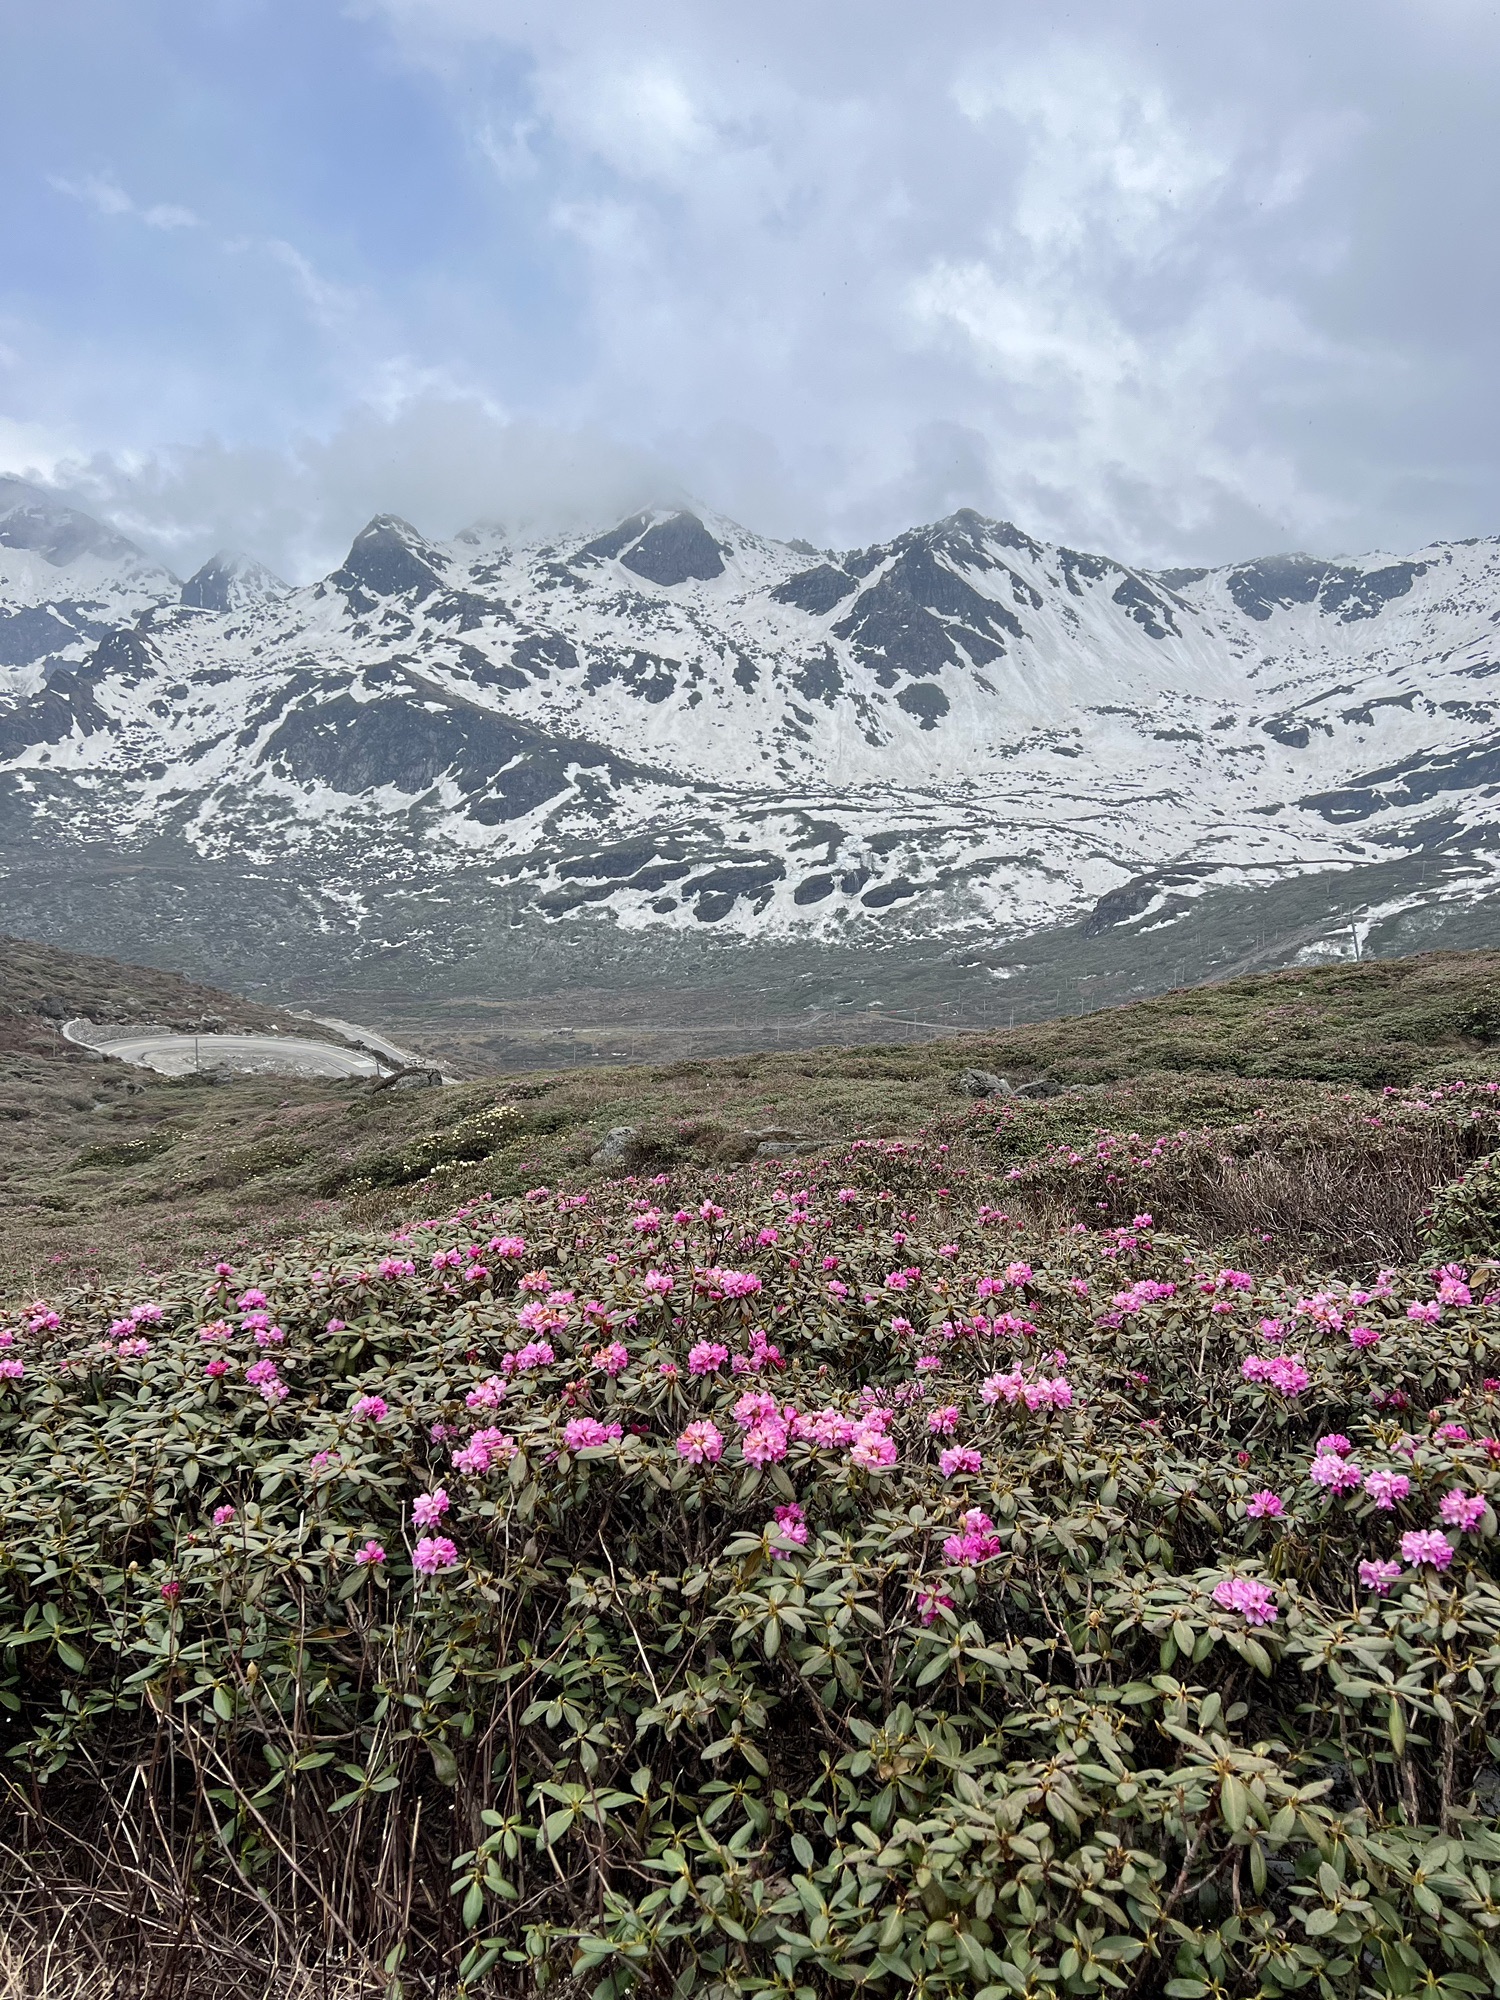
{"type": "Point", "coordinates": [109, 1170]}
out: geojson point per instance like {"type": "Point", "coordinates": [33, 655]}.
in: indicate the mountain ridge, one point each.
{"type": "Point", "coordinates": [678, 724]}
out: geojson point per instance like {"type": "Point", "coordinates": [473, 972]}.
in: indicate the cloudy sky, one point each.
{"type": "Point", "coordinates": [1179, 282]}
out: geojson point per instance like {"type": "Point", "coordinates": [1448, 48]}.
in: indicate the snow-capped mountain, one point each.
{"type": "Point", "coordinates": [678, 724]}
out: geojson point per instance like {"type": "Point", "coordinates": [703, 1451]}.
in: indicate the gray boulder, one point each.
{"type": "Point", "coordinates": [1040, 1086]}
{"type": "Point", "coordinates": [616, 1139]}
{"type": "Point", "coordinates": [982, 1083]}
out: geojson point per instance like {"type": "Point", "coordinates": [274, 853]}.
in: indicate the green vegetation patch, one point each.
{"type": "Point", "coordinates": [804, 1580]}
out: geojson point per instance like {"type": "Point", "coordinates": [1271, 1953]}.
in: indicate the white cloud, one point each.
{"type": "Point", "coordinates": [106, 197]}
{"type": "Point", "coordinates": [437, 457]}
{"type": "Point", "coordinates": [1164, 281]}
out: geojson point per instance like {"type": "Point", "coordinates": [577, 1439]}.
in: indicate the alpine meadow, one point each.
{"type": "Point", "coordinates": [749, 1001]}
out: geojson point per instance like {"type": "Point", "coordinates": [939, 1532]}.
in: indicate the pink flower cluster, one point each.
{"type": "Point", "coordinates": [262, 1376]}
{"type": "Point", "coordinates": [1335, 1474]}
{"type": "Point", "coordinates": [429, 1508]}
{"type": "Point", "coordinates": [1379, 1576]}
{"type": "Point", "coordinates": [1037, 1393]}
{"type": "Point", "coordinates": [586, 1433]}
{"type": "Point", "coordinates": [1255, 1601]}
{"type": "Point", "coordinates": [1426, 1545]}
{"type": "Point", "coordinates": [976, 1541]}
{"type": "Point", "coordinates": [1385, 1488]}
{"type": "Point", "coordinates": [959, 1458]}
{"type": "Point", "coordinates": [1462, 1510]}
{"type": "Point", "coordinates": [1144, 1292]}
{"type": "Point", "coordinates": [701, 1443]}
{"type": "Point", "coordinates": [485, 1450]}
{"type": "Point", "coordinates": [728, 1284]}
{"type": "Point", "coordinates": [535, 1354]}
{"type": "Point", "coordinates": [487, 1395]}
{"type": "Point", "coordinates": [433, 1554]}
{"type": "Point", "coordinates": [1286, 1373]}
{"type": "Point", "coordinates": [791, 1528]}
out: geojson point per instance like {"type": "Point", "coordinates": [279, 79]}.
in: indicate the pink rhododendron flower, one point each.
{"type": "Point", "coordinates": [487, 1395]}
{"type": "Point", "coordinates": [1426, 1545]}
{"type": "Point", "coordinates": [1265, 1506]}
{"type": "Point", "coordinates": [872, 1450]}
{"type": "Point", "coordinates": [659, 1282]}
{"type": "Point", "coordinates": [434, 1553]}
{"type": "Point", "coordinates": [370, 1409]}
{"type": "Point", "coordinates": [223, 1516]}
{"type": "Point", "coordinates": [1427, 1310]}
{"type": "Point", "coordinates": [1255, 1602]}
{"type": "Point", "coordinates": [707, 1357]}
{"type": "Point", "coordinates": [583, 1433]}
{"type": "Point", "coordinates": [1452, 1434]}
{"type": "Point", "coordinates": [976, 1542]}
{"type": "Point", "coordinates": [943, 1422]}
{"type": "Point", "coordinates": [791, 1525]}
{"type": "Point", "coordinates": [614, 1359]}
{"type": "Point", "coordinates": [756, 1406]}
{"type": "Point", "coordinates": [701, 1443]}
{"type": "Point", "coordinates": [1386, 1488]}
{"type": "Point", "coordinates": [1335, 1442]}
{"type": "Point", "coordinates": [931, 1602]}
{"type": "Point", "coordinates": [535, 1354]}
{"type": "Point", "coordinates": [1363, 1336]}
{"type": "Point", "coordinates": [369, 1555]}
{"type": "Point", "coordinates": [1461, 1510]}
{"type": "Point", "coordinates": [1335, 1474]}
{"type": "Point", "coordinates": [429, 1508]}
{"type": "Point", "coordinates": [11, 1370]}
{"type": "Point", "coordinates": [1041, 1393]}
{"type": "Point", "coordinates": [133, 1350]}
{"type": "Point", "coordinates": [825, 1428]}
{"type": "Point", "coordinates": [1379, 1576]}
{"type": "Point", "coordinates": [959, 1458]}
{"type": "Point", "coordinates": [1286, 1373]}
{"type": "Point", "coordinates": [485, 1449]}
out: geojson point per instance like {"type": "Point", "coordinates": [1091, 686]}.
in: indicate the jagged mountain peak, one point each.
{"type": "Point", "coordinates": [232, 582]}
{"type": "Point", "coordinates": [389, 558]}
{"type": "Point", "coordinates": [42, 524]}
{"type": "Point", "coordinates": [666, 546]}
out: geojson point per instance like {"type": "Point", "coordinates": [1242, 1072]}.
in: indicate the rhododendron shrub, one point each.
{"type": "Point", "coordinates": [782, 1641]}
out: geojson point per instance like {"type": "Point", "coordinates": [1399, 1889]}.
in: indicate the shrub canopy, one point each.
{"type": "Point", "coordinates": [775, 1585]}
